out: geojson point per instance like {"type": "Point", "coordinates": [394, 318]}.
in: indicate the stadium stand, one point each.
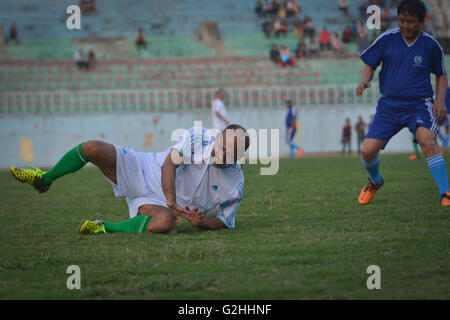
{"type": "Point", "coordinates": [174, 63]}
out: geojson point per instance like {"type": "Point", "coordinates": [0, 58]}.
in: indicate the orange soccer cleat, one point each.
{"type": "Point", "coordinates": [445, 199]}
{"type": "Point", "coordinates": [413, 157]}
{"type": "Point", "coordinates": [368, 192]}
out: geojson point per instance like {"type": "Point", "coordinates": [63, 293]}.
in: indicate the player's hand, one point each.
{"type": "Point", "coordinates": [177, 211]}
{"type": "Point", "coordinates": [195, 217]}
{"type": "Point", "coordinates": [440, 111]}
{"type": "Point", "coordinates": [362, 86]}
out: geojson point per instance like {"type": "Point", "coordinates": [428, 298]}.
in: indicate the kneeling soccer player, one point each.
{"type": "Point", "coordinates": [409, 55]}
{"type": "Point", "coordinates": [200, 172]}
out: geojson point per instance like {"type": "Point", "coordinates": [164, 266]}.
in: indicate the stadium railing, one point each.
{"type": "Point", "coordinates": [180, 99]}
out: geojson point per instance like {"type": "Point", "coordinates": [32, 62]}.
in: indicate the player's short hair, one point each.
{"type": "Point", "coordinates": [235, 127]}
{"type": "Point", "coordinates": [413, 7]}
{"type": "Point", "coordinates": [219, 91]}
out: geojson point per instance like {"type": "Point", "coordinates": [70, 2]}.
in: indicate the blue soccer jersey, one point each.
{"type": "Point", "coordinates": [406, 68]}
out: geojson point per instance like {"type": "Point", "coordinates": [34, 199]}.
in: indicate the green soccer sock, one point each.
{"type": "Point", "coordinates": [137, 224]}
{"type": "Point", "coordinates": [72, 161]}
{"type": "Point", "coordinates": [416, 148]}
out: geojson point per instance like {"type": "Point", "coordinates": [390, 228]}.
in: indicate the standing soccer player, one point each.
{"type": "Point", "coordinates": [218, 111]}
{"type": "Point", "coordinates": [409, 55]}
{"type": "Point", "coordinates": [291, 130]}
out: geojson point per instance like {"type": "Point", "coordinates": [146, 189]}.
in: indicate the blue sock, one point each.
{"type": "Point", "coordinates": [372, 168]}
{"type": "Point", "coordinates": [293, 146]}
{"type": "Point", "coordinates": [438, 170]}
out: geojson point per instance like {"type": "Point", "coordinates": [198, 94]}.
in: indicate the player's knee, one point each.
{"type": "Point", "coordinates": [161, 223]}
{"type": "Point", "coordinates": [90, 149]}
{"type": "Point", "coordinates": [429, 147]}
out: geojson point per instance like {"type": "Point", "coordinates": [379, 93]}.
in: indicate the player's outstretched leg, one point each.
{"type": "Point", "coordinates": [102, 154]}
{"type": "Point", "coordinates": [371, 162]}
{"type": "Point", "coordinates": [436, 163]}
{"type": "Point", "coordinates": [151, 219]}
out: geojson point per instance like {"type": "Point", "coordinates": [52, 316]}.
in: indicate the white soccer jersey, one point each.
{"type": "Point", "coordinates": [218, 106]}
{"type": "Point", "coordinates": [217, 192]}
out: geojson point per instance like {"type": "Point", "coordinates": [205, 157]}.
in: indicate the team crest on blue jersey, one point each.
{"type": "Point", "coordinates": [417, 60]}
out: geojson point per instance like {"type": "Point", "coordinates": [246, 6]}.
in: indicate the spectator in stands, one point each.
{"type": "Point", "coordinates": [363, 10]}
{"type": "Point", "coordinates": [298, 28]}
{"type": "Point", "coordinates": [276, 27]}
{"type": "Point", "coordinates": [309, 28]}
{"type": "Point", "coordinates": [267, 8]}
{"type": "Point", "coordinates": [284, 27]}
{"type": "Point", "coordinates": [363, 42]}
{"type": "Point", "coordinates": [325, 40]}
{"type": "Point", "coordinates": [286, 57]}
{"type": "Point", "coordinates": [140, 39]}
{"type": "Point", "coordinates": [267, 27]}
{"type": "Point", "coordinates": [79, 59]}
{"type": "Point", "coordinates": [218, 111]}
{"type": "Point", "coordinates": [290, 8]}
{"type": "Point", "coordinates": [386, 15]}
{"type": "Point", "coordinates": [313, 48]}
{"type": "Point", "coordinates": [346, 137]}
{"type": "Point", "coordinates": [360, 129]}
{"type": "Point", "coordinates": [347, 35]}
{"type": "Point", "coordinates": [300, 51]}
{"type": "Point", "coordinates": [259, 8]}
{"type": "Point", "coordinates": [12, 36]}
{"type": "Point", "coordinates": [338, 47]}
{"type": "Point", "coordinates": [343, 6]}
{"type": "Point", "coordinates": [274, 54]}
{"type": "Point", "coordinates": [282, 13]}
{"type": "Point", "coordinates": [275, 7]}
{"type": "Point", "coordinates": [88, 6]}
{"type": "Point", "coordinates": [92, 62]}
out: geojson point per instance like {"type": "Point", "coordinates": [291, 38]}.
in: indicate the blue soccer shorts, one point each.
{"type": "Point", "coordinates": [389, 119]}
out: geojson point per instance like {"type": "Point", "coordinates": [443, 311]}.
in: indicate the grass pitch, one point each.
{"type": "Point", "coordinates": [299, 235]}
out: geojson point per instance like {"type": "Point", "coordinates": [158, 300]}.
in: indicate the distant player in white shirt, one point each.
{"type": "Point", "coordinates": [218, 111]}
{"type": "Point", "coordinates": [198, 178]}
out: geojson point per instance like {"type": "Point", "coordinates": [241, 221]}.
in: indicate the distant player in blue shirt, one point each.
{"type": "Point", "coordinates": [408, 56]}
{"type": "Point", "coordinates": [291, 129]}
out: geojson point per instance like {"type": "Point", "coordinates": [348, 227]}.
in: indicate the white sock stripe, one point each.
{"type": "Point", "coordinates": [436, 165]}
{"type": "Point", "coordinates": [434, 160]}
{"type": "Point", "coordinates": [438, 156]}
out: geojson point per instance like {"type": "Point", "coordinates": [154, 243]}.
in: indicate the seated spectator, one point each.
{"type": "Point", "coordinates": [347, 35]}
{"type": "Point", "coordinates": [284, 27]}
{"type": "Point", "coordinates": [337, 46]}
{"type": "Point", "coordinates": [282, 14]}
{"type": "Point", "coordinates": [312, 48]}
{"type": "Point", "coordinates": [363, 42]}
{"type": "Point", "coordinates": [88, 6]}
{"type": "Point", "coordinates": [386, 15]}
{"type": "Point", "coordinates": [92, 62]}
{"type": "Point", "coordinates": [259, 8]}
{"type": "Point", "coordinates": [12, 36]}
{"type": "Point", "coordinates": [325, 43]}
{"type": "Point", "coordinates": [297, 8]}
{"type": "Point", "coordinates": [275, 54]}
{"type": "Point", "coordinates": [140, 40]}
{"type": "Point", "coordinates": [300, 51]}
{"type": "Point", "coordinates": [298, 28]}
{"type": "Point", "coordinates": [363, 10]}
{"type": "Point", "coordinates": [286, 57]}
{"type": "Point", "coordinates": [79, 59]}
{"type": "Point", "coordinates": [343, 6]}
{"type": "Point", "coordinates": [267, 27]}
{"type": "Point", "coordinates": [290, 8]}
{"type": "Point", "coordinates": [276, 27]}
{"type": "Point", "coordinates": [275, 7]}
{"type": "Point", "coordinates": [267, 7]}
{"type": "Point", "coordinates": [309, 28]}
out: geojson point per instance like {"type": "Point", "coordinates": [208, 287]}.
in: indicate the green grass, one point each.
{"type": "Point", "coordinates": [299, 235]}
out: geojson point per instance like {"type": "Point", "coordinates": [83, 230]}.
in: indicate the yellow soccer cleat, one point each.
{"type": "Point", "coordinates": [31, 176]}
{"type": "Point", "coordinates": [91, 227]}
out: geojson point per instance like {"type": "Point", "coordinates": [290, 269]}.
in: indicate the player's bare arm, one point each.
{"type": "Point", "coordinates": [439, 108]}
{"type": "Point", "coordinates": [367, 76]}
{"type": "Point", "coordinates": [222, 118]}
{"type": "Point", "coordinates": [168, 169]}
